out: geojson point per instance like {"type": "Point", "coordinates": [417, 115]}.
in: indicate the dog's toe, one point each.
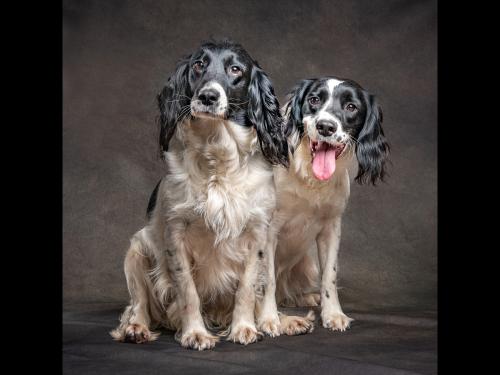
{"type": "Point", "coordinates": [337, 321]}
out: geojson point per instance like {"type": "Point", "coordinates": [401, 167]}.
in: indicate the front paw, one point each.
{"type": "Point", "coordinates": [297, 325]}
{"type": "Point", "coordinates": [270, 326]}
{"type": "Point", "coordinates": [134, 333]}
{"type": "Point", "coordinates": [244, 334]}
{"type": "Point", "coordinates": [336, 321]}
{"type": "Point", "coordinates": [197, 340]}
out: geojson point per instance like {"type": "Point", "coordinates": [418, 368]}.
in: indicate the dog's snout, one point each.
{"type": "Point", "coordinates": [208, 96]}
{"type": "Point", "coordinates": [326, 128]}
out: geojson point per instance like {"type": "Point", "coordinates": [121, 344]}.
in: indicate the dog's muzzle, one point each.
{"type": "Point", "coordinates": [210, 101]}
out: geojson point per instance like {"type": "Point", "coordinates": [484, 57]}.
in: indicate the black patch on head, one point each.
{"type": "Point", "coordinates": [261, 254]}
{"type": "Point", "coordinates": [152, 200]}
{"type": "Point", "coordinates": [251, 96]}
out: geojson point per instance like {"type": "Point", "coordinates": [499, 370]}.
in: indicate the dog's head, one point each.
{"type": "Point", "coordinates": [221, 81]}
{"type": "Point", "coordinates": [338, 115]}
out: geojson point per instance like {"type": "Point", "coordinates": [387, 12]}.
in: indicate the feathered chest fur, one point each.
{"type": "Point", "coordinates": [217, 173]}
{"type": "Point", "coordinates": [221, 187]}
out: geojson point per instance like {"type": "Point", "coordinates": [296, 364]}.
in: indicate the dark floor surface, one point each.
{"type": "Point", "coordinates": [382, 342]}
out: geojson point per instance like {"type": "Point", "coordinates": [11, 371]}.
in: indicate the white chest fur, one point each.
{"type": "Point", "coordinates": [219, 175]}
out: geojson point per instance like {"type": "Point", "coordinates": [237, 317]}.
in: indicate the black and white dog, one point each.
{"type": "Point", "coordinates": [196, 263]}
{"type": "Point", "coordinates": [333, 125]}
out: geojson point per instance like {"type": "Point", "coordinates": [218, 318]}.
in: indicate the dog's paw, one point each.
{"type": "Point", "coordinates": [270, 326]}
{"type": "Point", "coordinates": [336, 321]}
{"type": "Point", "coordinates": [297, 325]}
{"type": "Point", "coordinates": [309, 300]}
{"type": "Point", "coordinates": [244, 334]}
{"type": "Point", "coordinates": [197, 339]}
{"type": "Point", "coordinates": [134, 333]}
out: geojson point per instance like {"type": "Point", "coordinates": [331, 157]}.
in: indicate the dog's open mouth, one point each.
{"type": "Point", "coordinates": [324, 156]}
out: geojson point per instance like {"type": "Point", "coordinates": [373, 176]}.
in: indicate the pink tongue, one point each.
{"type": "Point", "coordinates": [323, 164]}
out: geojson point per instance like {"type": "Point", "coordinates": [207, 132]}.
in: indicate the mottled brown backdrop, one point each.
{"type": "Point", "coordinates": [117, 55]}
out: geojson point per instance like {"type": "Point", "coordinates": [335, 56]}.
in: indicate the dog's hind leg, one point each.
{"type": "Point", "coordinates": [136, 320]}
{"type": "Point", "coordinates": [298, 286]}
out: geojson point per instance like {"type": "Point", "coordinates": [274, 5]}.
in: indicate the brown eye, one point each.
{"type": "Point", "coordinates": [198, 66]}
{"type": "Point", "coordinates": [351, 107]}
{"type": "Point", "coordinates": [235, 70]}
{"type": "Point", "coordinates": [313, 100]}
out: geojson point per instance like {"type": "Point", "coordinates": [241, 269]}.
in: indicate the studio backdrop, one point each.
{"type": "Point", "coordinates": [117, 55]}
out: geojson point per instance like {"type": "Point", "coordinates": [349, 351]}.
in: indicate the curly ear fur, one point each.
{"type": "Point", "coordinates": [264, 114]}
{"type": "Point", "coordinates": [172, 100]}
{"type": "Point", "coordinates": [372, 148]}
{"type": "Point", "coordinates": [293, 111]}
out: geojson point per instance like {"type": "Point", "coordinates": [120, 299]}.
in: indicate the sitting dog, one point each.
{"type": "Point", "coordinates": [195, 265]}
{"type": "Point", "coordinates": [331, 123]}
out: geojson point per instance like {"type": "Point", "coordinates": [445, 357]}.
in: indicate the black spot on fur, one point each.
{"type": "Point", "coordinates": [261, 254]}
{"type": "Point", "coordinates": [327, 294]}
{"type": "Point", "coordinates": [178, 269]}
{"type": "Point", "coordinates": [335, 268]}
{"type": "Point", "coordinates": [263, 290]}
{"type": "Point", "coordinates": [170, 253]}
{"type": "Point", "coordinates": [333, 282]}
{"type": "Point", "coordinates": [152, 201]}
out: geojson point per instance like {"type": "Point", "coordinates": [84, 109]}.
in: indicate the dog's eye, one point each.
{"type": "Point", "coordinates": [235, 70]}
{"type": "Point", "coordinates": [313, 100]}
{"type": "Point", "coordinates": [350, 107]}
{"type": "Point", "coordinates": [198, 66]}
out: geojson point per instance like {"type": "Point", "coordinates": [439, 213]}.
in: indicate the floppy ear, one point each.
{"type": "Point", "coordinates": [172, 100]}
{"type": "Point", "coordinates": [372, 148]}
{"type": "Point", "coordinates": [264, 114]}
{"type": "Point", "coordinates": [293, 111]}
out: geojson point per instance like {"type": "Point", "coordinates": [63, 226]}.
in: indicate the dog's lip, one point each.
{"type": "Point", "coordinates": [338, 146]}
{"type": "Point", "coordinates": [205, 114]}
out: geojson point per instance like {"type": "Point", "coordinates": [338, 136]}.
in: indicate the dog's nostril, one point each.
{"type": "Point", "coordinates": [208, 96]}
{"type": "Point", "coordinates": [326, 128]}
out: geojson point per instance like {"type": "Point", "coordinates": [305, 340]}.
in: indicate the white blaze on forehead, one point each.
{"type": "Point", "coordinates": [222, 94]}
{"type": "Point", "coordinates": [332, 83]}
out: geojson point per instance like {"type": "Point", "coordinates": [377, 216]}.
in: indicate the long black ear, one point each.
{"type": "Point", "coordinates": [264, 114]}
{"type": "Point", "coordinates": [293, 110]}
{"type": "Point", "coordinates": [372, 148]}
{"type": "Point", "coordinates": [172, 102]}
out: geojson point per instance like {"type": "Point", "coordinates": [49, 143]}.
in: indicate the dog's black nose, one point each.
{"type": "Point", "coordinates": [208, 96]}
{"type": "Point", "coordinates": [326, 128]}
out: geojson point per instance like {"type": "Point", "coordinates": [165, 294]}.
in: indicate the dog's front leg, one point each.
{"type": "Point", "coordinates": [192, 333]}
{"type": "Point", "coordinates": [243, 328]}
{"type": "Point", "coordinates": [268, 320]}
{"type": "Point", "coordinates": [328, 245]}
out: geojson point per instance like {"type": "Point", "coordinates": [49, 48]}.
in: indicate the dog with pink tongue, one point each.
{"type": "Point", "coordinates": [335, 135]}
